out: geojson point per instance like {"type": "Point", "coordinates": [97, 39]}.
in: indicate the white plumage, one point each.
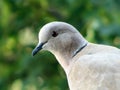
{"type": "Point", "coordinates": [87, 66]}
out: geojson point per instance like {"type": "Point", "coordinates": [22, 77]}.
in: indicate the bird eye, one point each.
{"type": "Point", "coordinates": [54, 34]}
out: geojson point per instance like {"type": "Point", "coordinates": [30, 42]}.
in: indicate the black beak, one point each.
{"type": "Point", "coordinates": [37, 48]}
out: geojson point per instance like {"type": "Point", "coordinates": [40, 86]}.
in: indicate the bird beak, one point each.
{"type": "Point", "coordinates": [37, 48]}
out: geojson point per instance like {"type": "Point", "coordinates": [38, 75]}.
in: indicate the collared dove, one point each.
{"type": "Point", "coordinates": [87, 66]}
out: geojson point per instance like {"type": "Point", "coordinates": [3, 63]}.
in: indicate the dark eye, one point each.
{"type": "Point", "coordinates": [54, 34]}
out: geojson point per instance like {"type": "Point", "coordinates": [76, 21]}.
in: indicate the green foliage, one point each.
{"type": "Point", "coordinates": [20, 21]}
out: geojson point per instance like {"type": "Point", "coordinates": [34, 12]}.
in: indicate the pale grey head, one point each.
{"type": "Point", "coordinates": [58, 36]}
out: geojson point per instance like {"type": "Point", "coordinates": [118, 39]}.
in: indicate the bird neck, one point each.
{"type": "Point", "coordinates": [63, 59]}
{"type": "Point", "coordinates": [65, 56]}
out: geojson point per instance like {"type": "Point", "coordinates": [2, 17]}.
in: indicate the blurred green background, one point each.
{"type": "Point", "coordinates": [20, 21]}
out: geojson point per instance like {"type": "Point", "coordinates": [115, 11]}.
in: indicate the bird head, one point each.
{"type": "Point", "coordinates": [58, 36]}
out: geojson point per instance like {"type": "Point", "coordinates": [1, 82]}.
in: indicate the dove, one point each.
{"type": "Point", "coordinates": [88, 66]}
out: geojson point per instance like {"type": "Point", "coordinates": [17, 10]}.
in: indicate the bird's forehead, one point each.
{"type": "Point", "coordinates": [45, 33]}
{"type": "Point", "coordinates": [47, 29]}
